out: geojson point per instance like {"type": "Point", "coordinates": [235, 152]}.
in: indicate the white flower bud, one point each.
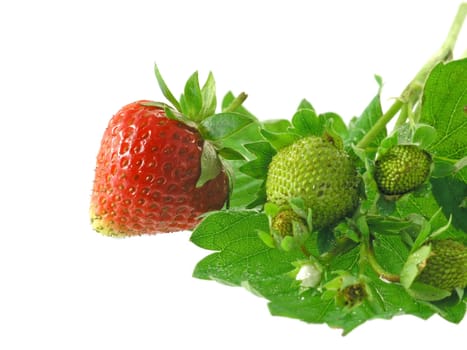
{"type": "Point", "coordinates": [309, 275]}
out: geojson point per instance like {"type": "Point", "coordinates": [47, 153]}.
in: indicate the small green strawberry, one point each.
{"type": "Point", "coordinates": [446, 266]}
{"type": "Point", "coordinates": [282, 223]}
{"type": "Point", "coordinates": [314, 169]}
{"type": "Point", "coordinates": [401, 169]}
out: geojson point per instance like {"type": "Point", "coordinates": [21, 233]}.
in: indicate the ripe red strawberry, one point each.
{"type": "Point", "coordinates": [146, 175]}
{"type": "Point", "coordinates": [158, 169]}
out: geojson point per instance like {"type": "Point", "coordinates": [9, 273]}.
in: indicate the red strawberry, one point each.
{"type": "Point", "coordinates": [146, 175]}
{"type": "Point", "coordinates": [158, 168]}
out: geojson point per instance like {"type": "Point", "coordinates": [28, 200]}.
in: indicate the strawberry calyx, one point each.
{"type": "Point", "coordinates": [196, 108]}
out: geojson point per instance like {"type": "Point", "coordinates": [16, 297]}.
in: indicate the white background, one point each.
{"type": "Point", "coordinates": [66, 67]}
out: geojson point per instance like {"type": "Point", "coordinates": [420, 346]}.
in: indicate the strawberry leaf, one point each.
{"type": "Point", "coordinates": [439, 199]}
{"type": "Point", "coordinates": [240, 257]}
{"type": "Point", "coordinates": [443, 107]}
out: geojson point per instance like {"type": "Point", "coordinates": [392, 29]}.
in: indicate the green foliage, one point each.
{"type": "Point", "coordinates": [443, 107]}
{"type": "Point", "coordinates": [365, 266]}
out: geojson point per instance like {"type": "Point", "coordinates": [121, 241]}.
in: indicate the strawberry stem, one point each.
{"type": "Point", "coordinates": [237, 102]}
{"type": "Point", "coordinates": [382, 273]}
{"type": "Point", "coordinates": [413, 91]}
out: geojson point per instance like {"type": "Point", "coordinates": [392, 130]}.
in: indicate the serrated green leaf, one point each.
{"type": "Point", "coordinates": [443, 107]}
{"type": "Point", "coordinates": [165, 89]}
{"type": "Point", "coordinates": [391, 252]}
{"type": "Point", "coordinates": [451, 308]}
{"type": "Point", "coordinates": [386, 301]}
{"type": "Point", "coordinates": [449, 194]}
{"type": "Point", "coordinates": [427, 206]}
{"type": "Point", "coordinates": [241, 255]}
{"type": "Point", "coordinates": [222, 125]}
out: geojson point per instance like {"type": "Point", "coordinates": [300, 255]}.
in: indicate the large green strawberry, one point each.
{"type": "Point", "coordinates": [158, 168]}
{"type": "Point", "coordinates": [318, 172]}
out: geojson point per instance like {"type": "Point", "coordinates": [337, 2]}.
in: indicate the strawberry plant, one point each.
{"type": "Point", "coordinates": [341, 224]}
{"type": "Point", "coordinates": [330, 222]}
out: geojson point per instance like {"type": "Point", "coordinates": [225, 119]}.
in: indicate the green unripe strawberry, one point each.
{"type": "Point", "coordinates": [446, 267]}
{"type": "Point", "coordinates": [282, 223]}
{"type": "Point", "coordinates": [315, 170]}
{"type": "Point", "coordinates": [401, 169]}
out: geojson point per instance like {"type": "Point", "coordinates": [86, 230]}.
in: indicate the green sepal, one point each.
{"type": "Point", "coordinates": [424, 135]}
{"type": "Point", "coordinates": [165, 89]}
{"type": "Point", "coordinates": [211, 166]}
{"type": "Point", "coordinates": [411, 269]}
{"type": "Point", "coordinates": [175, 115]}
{"type": "Point", "coordinates": [209, 99]}
{"type": "Point", "coordinates": [258, 167]}
{"type": "Point", "coordinates": [306, 122]}
{"type": "Point", "coordinates": [230, 154]}
{"type": "Point", "coordinates": [223, 125]}
{"type": "Point", "coordinates": [267, 238]}
{"type": "Point", "coordinates": [334, 125]}
{"type": "Point", "coordinates": [191, 100]}
{"type": "Point", "coordinates": [279, 140]}
{"type": "Point", "coordinates": [276, 125]}
{"type": "Point", "coordinates": [305, 104]}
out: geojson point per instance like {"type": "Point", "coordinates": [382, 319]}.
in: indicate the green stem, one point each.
{"type": "Point", "coordinates": [237, 102]}
{"type": "Point", "coordinates": [380, 124]}
{"type": "Point", "coordinates": [413, 91]}
{"type": "Point", "coordinates": [403, 115]}
{"type": "Point", "coordinates": [382, 273]}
